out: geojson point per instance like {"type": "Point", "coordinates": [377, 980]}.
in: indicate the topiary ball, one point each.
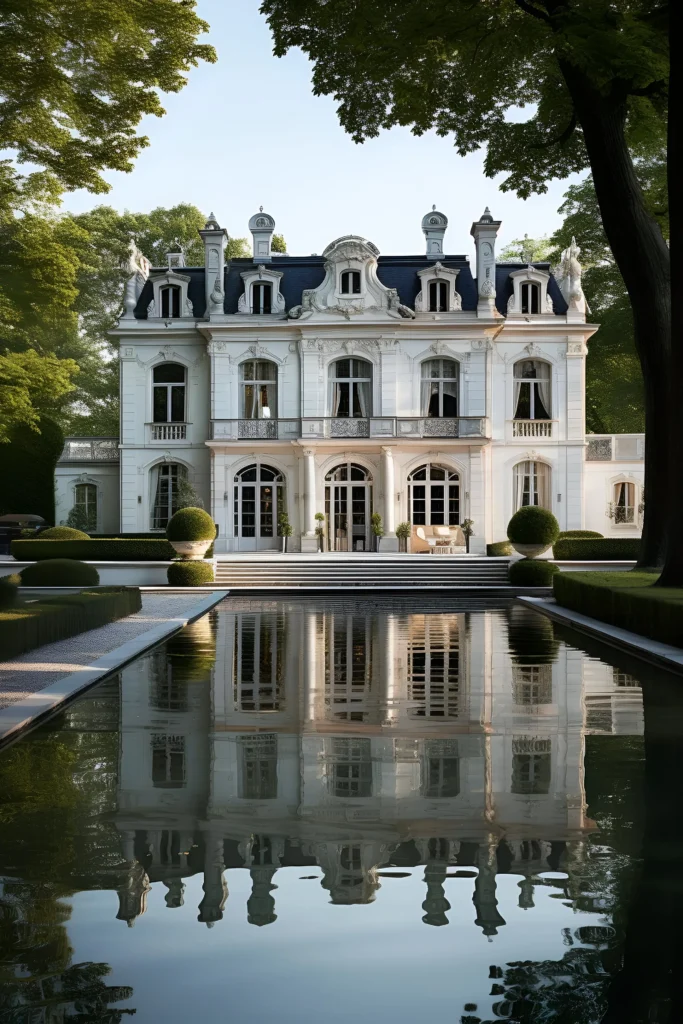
{"type": "Point", "coordinates": [532, 572]}
{"type": "Point", "coordinates": [189, 574]}
{"type": "Point", "coordinates": [63, 533]}
{"type": "Point", "coordinates": [8, 592]}
{"type": "Point", "coordinates": [533, 525]}
{"type": "Point", "coordinates": [191, 524]}
{"type": "Point", "coordinates": [60, 572]}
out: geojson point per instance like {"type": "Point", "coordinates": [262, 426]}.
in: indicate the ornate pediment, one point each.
{"type": "Point", "coordinates": [351, 286]}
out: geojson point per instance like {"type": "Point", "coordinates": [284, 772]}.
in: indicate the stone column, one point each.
{"type": "Point", "coordinates": [310, 661]}
{"type": "Point", "coordinates": [309, 541]}
{"type": "Point", "coordinates": [389, 540]}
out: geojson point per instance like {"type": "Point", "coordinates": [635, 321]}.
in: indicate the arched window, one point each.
{"type": "Point", "coordinates": [165, 481]}
{"type": "Point", "coordinates": [350, 282]}
{"type": "Point", "coordinates": [259, 494]}
{"type": "Point", "coordinates": [351, 388]}
{"type": "Point", "coordinates": [624, 502]}
{"type": "Point", "coordinates": [169, 393]}
{"type": "Point", "coordinates": [85, 504]}
{"type": "Point", "coordinates": [434, 496]}
{"type": "Point", "coordinates": [531, 485]}
{"type": "Point", "coordinates": [532, 397]}
{"type": "Point", "coordinates": [258, 400]}
{"type": "Point", "coordinates": [438, 297]}
{"type": "Point", "coordinates": [170, 300]}
{"type": "Point", "coordinates": [531, 297]}
{"type": "Point", "coordinates": [262, 297]}
{"type": "Point", "coordinates": [349, 653]}
{"type": "Point", "coordinates": [440, 387]}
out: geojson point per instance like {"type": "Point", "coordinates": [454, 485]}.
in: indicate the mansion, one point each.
{"type": "Point", "coordinates": [420, 387]}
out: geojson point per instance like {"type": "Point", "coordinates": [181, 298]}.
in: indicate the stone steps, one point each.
{"type": "Point", "coordinates": [378, 573]}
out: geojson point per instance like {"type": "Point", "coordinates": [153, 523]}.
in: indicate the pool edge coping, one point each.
{"type": "Point", "coordinates": [24, 713]}
{"type": "Point", "coordinates": [653, 651]}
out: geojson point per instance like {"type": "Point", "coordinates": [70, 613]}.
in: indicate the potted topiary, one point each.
{"type": "Point", "coordinates": [403, 531]}
{"type": "Point", "coordinates": [467, 527]}
{"type": "Point", "coordinates": [320, 530]}
{"type": "Point", "coordinates": [532, 530]}
{"type": "Point", "coordinates": [191, 531]}
{"type": "Point", "coordinates": [284, 529]}
{"type": "Point", "coordinates": [377, 528]}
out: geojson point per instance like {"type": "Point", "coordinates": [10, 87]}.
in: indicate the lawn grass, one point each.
{"type": "Point", "coordinates": [628, 600]}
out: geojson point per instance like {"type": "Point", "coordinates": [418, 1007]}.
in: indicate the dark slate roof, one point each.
{"type": "Point", "coordinates": [301, 272]}
{"type": "Point", "coordinates": [504, 286]}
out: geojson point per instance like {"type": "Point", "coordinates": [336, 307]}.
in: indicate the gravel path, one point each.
{"type": "Point", "coordinates": [43, 666]}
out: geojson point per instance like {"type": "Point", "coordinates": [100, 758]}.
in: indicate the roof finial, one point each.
{"type": "Point", "coordinates": [260, 209]}
{"type": "Point", "coordinates": [433, 206]}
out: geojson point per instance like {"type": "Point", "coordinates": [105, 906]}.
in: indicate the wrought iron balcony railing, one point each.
{"type": "Point", "coordinates": [90, 449]}
{"type": "Point", "coordinates": [349, 427]}
{"type": "Point", "coordinates": [615, 448]}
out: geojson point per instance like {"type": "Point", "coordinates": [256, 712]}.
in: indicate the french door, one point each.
{"type": "Point", "coordinates": [348, 507]}
{"type": "Point", "coordinates": [258, 500]}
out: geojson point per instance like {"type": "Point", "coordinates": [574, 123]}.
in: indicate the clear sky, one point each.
{"type": "Point", "coordinates": [247, 131]}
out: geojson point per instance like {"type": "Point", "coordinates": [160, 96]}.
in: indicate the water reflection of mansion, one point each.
{"type": "Point", "coordinates": [359, 744]}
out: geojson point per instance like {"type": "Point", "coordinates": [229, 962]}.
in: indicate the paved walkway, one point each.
{"type": "Point", "coordinates": [45, 666]}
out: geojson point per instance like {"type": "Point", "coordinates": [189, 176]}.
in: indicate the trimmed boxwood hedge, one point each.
{"type": "Point", "coordinates": [625, 599]}
{"type": "Point", "coordinates": [94, 550]}
{"type": "Point", "coordinates": [57, 618]}
{"type": "Point", "coordinates": [533, 525]}
{"type": "Point", "coordinates": [578, 533]}
{"type": "Point", "coordinates": [532, 572]}
{"type": "Point", "coordinates": [577, 549]}
{"type": "Point", "coordinates": [63, 533]}
{"type": "Point", "coordinates": [190, 573]}
{"type": "Point", "coordinates": [499, 548]}
{"type": "Point", "coordinates": [8, 592]}
{"type": "Point", "coordinates": [60, 572]}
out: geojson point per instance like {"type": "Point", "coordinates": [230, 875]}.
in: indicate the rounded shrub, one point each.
{"type": "Point", "coordinates": [533, 525]}
{"type": "Point", "coordinates": [63, 533]}
{"type": "Point", "coordinates": [578, 534]}
{"type": "Point", "coordinates": [190, 524]}
{"type": "Point", "coordinates": [60, 572]}
{"type": "Point", "coordinates": [8, 591]}
{"type": "Point", "coordinates": [190, 574]}
{"type": "Point", "coordinates": [532, 572]}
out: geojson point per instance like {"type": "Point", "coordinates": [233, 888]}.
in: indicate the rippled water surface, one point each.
{"type": "Point", "coordinates": [349, 811]}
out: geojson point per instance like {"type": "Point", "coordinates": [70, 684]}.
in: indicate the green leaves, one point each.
{"type": "Point", "coordinates": [29, 382]}
{"type": "Point", "coordinates": [76, 79]}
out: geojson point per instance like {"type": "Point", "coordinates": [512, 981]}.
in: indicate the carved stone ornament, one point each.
{"type": "Point", "coordinates": [568, 277]}
{"type": "Point", "coordinates": [137, 267]}
{"type": "Point", "coordinates": [353, 253]}
{"type": "Point", "coordinates": [575, 348]}
{"type": "Point", "coordinates": [216, 298]}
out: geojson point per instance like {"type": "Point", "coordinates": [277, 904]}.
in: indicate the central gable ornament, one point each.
{"type": "Point", "coordinates": [351, 286]}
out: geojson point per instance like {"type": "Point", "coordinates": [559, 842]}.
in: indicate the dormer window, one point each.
{"type": "Point", "coordinates": [350, 282]}
{"type": "Point", "coordinates": [438, 297]}
{"type": "Point", "coordinates": [262, 297]}
{"type": "Point", "coordinates": [170, 301]}
{"type": "Point", "coordinates": [531, 298]}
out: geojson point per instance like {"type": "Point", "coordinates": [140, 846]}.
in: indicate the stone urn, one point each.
{"type": "Point", "coordinates": [191, 550]}
{"type": "Point", "coordinates": [530, 550]}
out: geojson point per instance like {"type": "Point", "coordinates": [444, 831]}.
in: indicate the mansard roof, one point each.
{"type": "Point", "coordinates": [302, 272]}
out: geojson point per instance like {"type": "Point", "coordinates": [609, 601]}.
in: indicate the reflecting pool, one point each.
{"type": "Point", "coordinates": [347, 809]}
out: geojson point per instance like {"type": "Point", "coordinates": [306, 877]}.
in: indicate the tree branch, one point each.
{"type": "Point", "coordinates": [650, 90]}
{"type": "Point", "coordinates": [560, 139]}
{"type": "Point", "coordinates": [528, 8]}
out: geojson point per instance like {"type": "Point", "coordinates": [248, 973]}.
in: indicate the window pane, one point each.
{"type": "Point", "coordinates": [342, 369]}
{"type": "Point", "coordinates": [176, 302]}
{"type": "Point", "coordinates": [160, 404]}
{"type": "Point", "coordinates": [178, 403]}
{"type": "Point", "coordinates": [169, 373]}
{"type": "Point", "coordinates": [523, 410]}
{"type": "Point", "coordinates": [356, 282]}
{"type": "Point", "coordinates": [164, 301]}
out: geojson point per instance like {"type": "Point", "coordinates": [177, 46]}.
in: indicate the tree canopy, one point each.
{"type": "Point", "coordinates": [76, 79]}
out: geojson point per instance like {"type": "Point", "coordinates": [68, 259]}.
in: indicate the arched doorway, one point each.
{"type": "Point", "coordinates": [348, 506]}
{"type": "Point", "coordinates": [434, 496]}
{"type": "Point", "coordinates": [259, 498]}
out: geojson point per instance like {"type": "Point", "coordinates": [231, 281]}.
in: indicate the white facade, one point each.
{"type": "Point", "coordinates": [322, 384]}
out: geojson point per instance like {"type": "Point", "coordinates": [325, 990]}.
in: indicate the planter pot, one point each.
{"type": "Point", "coordinates": [530, 550]}
{"type": "Point", "coordinates": [193, 550]}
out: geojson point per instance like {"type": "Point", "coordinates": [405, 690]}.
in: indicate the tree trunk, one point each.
{"type": "Point", "coordinates": [643, 259]}
{"type": "Point", "coordinates": [672, 574]}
